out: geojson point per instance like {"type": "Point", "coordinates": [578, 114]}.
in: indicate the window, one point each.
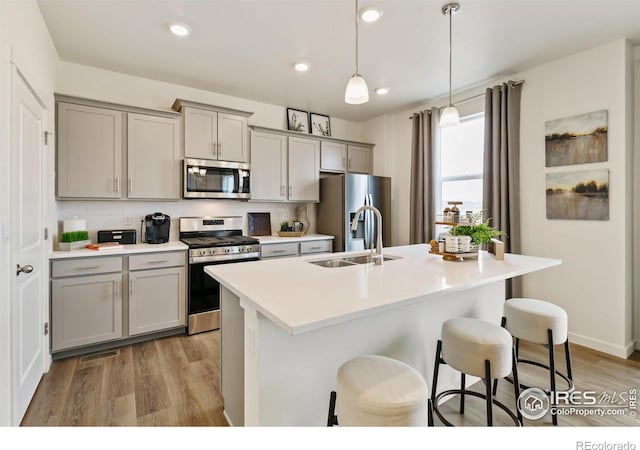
{"type": "Point", "coordinates": [461, 153]}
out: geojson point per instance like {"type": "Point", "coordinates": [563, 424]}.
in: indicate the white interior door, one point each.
{"type": "Point", "coordinates": [27, 243]}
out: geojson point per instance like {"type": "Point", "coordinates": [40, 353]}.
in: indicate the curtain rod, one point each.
{"type": "Point", "coordinates": [474, 97]}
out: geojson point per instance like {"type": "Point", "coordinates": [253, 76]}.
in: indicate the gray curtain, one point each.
{"type": "Point", "coordinates": [501, 190]}
{"type": "Point", "coordinates": [422, 196]}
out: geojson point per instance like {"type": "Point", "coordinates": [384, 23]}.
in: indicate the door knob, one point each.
{"type": "Point", "coordinates": [23, 269]}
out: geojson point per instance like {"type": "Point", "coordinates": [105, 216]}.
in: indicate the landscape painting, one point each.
{"type": "Point", "coordinates": [579, 195]}
{"type": "Point", "coordinates": [576, 140]}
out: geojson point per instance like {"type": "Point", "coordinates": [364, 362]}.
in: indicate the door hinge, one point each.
{"type": "Point", "coordinates": [46, 328]}
{"type": "Point", "coordinates": [46, 233]}
{"type": "Point", "coordinates": [46, 137]}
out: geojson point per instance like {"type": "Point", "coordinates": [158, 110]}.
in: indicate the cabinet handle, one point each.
{"type": "Point", "coordinates": [219, 149]}
{"type": "Point", "coordinates": [213, 148]}
{"type": "Point", "coordinates": [130, 185]}
{"type": "Point", "coordinates": [349, 166]}
{"type": "Point", "coordinates": [130, 286]}
{"type": "Point", "coordinates": [158, 261]}
{"type": "Point", "coordinates": [316, 248]}
{"type": "Point", "coordinates": [278, 251]}
{"type": "Point", "coordinates": [344, 160]}
{"type": "Point", "coordinates": [282, 190]}
{"type": "Point", "coordinates": [87, 267]}
{"type": "Point", "coordinates": [116, 184]}
{"type": "Point", "coordinates": [117, 289]}
{"type": "Point", "coordinates": [290, 190]}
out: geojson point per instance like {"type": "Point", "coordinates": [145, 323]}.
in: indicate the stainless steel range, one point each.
{"type": "Point", "coordinates": [212, 240]}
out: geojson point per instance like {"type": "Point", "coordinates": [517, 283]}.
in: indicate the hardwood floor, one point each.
{"type": "Point", "coordinates": [175, 381]}
{"type": "Point", "coordinates": [172, 381]}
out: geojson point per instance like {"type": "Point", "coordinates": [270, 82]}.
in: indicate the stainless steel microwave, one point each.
{"type": "Point", "coordinates": [215, 179]}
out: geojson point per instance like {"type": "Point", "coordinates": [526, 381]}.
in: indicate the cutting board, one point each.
{"type": "Point", "coordinates": [259, 224]}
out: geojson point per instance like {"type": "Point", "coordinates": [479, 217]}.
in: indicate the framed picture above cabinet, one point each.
{"type": "Point", "coordinates": [320, 125]}
{"type": "Point", "coordinates": [297, 120]}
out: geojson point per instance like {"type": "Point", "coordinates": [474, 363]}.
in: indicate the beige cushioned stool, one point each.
{"type": "Point", "coordinates": [479, 348]}
{"type": "Point", "coordinates": [544, 323]}
{"type": "Point", "coordinates": [380, 391]}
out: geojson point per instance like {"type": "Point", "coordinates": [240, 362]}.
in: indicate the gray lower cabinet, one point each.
{"type": "Point", "coordinates": [91, 303]}
{"type": "Point", "coordinates": [299, 248]}
{"type": "Point", "coordinates": [156, 299]}
{"type": "Point", "coordinates": [85, 310]}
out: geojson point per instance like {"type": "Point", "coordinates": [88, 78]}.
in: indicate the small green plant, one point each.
{"type": "Point", "coordinates": [480, 232]}
{"type": "Point", "coordinates": [74, 236]}
{"type": "Point", "coordinates": [284, 226]}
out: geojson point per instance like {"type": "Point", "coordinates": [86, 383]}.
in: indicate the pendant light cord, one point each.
{"type": "Point", "coordinates": [356, 16]}
{"type": "Point", "coordinates": [450, 39]}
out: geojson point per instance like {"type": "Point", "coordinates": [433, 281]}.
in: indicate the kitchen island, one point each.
{"type": "Point", "coordinates": [287, 325]}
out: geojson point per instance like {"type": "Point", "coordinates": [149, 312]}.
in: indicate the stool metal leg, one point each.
{"type": "Point", "coordinates": [503, 324]}
{"type": "Point", "coordinates": [462, 387]}
{"type": "Point", "coordinates": [332, 419]}
{"type": "Point", "coordinates": [516, 383]}
{"type": "Point", "coordinates": [552, 370]}
{"type": "Point", "coordinates": [567, 355]}
{"type": "Point", "coordinates": [429, 413]}
{"type": "Point", "coordinates": [487, 381]}
{"type": "Point", "coordinates": [436, 366]}
{"type": "Point", "coordinates": [517, 347]}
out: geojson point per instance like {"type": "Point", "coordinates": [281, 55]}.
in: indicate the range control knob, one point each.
{"type": "Point", "coordinates": [203, 252]}
{"type": "Point", "coordinates": [227, 250]}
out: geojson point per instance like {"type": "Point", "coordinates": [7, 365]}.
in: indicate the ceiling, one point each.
{"type": "Point", "coordinates": [246, 48]}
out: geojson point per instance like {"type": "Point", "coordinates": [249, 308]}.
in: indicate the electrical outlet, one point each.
{"type": "Point", "coordinates": [129, 221]}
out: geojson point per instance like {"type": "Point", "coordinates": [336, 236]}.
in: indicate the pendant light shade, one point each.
{"type": "Point", "coordinates": [357, 91]}
{"type": "Point", "coordinates": [450, 116]}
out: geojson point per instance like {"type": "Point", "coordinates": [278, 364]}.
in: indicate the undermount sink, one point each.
{"type": "Point", "coordinates": [350, 261]}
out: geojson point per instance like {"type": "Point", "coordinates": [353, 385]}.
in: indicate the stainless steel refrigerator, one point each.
{"type": "Point", "coordinates": [340, 197]}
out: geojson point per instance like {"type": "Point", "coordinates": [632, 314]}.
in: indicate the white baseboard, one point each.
{"type": "Point", "coordinates": [224, 413]}
{"type": "Point", "coordinates": [602, 346]}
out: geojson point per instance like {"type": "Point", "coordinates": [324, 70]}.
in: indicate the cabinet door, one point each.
{"type": "Point", "coordinates": [89, 152]}
{"type": "Point", "coordinates": [268, 166]}
{"type": "Point", "coordinates": [232, 138]}
{"type": "Point", "coordinates": [200, 133]}
{"type": "Point", "coordinates": [360, 159]}
{"type": "Point", "coordinates": [157, 300]}
{"type": "Point", "coordinates": [85, 310]}
{"type": "Point", "coordinates": [153, 157]}
{"type": "Point", "coordinates": [304, 170]}
{"type": "Point", "coordinates": [333, 157]}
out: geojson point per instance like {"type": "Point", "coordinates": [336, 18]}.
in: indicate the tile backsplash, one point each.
{"type": "Point", "coordinates": [113, 215]}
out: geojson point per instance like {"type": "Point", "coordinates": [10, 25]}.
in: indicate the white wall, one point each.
{"type": "Point", "coordinates": [99, 84]}
{"type": "Point", "coordinates": [22, 30]}
{"type": "Point", "coordinates": [636, 197]}
{"type": "Point", "coordinates": [594, 283]}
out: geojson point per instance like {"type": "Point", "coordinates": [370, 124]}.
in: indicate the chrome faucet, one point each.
{"type": "Point", "coordinates": [377, 256]}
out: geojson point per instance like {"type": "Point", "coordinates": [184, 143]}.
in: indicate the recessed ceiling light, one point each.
{"type": "Point", "coordinates": [302, 66]}
{"type": "Point", "coordinates": [180, 29]}
{"type": "Point", "coordinates": [382, 91]}
{"type": "Point", "coordinates": [370, 14]}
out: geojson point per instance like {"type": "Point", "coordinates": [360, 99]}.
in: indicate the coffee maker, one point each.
{"type": "Point", "coordinates": [156, 228]}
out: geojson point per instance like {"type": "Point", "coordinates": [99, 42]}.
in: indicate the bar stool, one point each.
{"type": "Point", "coordinates": [543, 323]}
{"type": "Point", "coordinates": [378, 391]}
{"type": "Point", "coordinates": [478, 348]}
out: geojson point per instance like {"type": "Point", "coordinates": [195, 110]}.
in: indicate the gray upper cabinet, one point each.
{"type": "Point", "coordinates": [333, 157]}
{"type": "Point", "coordinates": [108, 151]}
{"type": "Point", "coordinates": [304, 170]}
{"type": "Point", "coordinates": [268, 167]}
{"type": "Point", "coordinates": [89, 152]}
{"type": "Point", "coordinates": [153, 157]}
{"type": "Point", "coordinates": [360, 159]}
{"type": "Point", "coordinates": [212, 132]}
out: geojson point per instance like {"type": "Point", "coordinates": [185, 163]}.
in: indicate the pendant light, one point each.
{"type": "Point", "coordinates": [450, 116]}
{"type": "Point", "coordinates": [357, 91]}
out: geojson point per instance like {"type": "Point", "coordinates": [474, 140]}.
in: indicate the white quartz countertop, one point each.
{"type": "Point", "coordinates": [301, 297]}
{"type": "Point", "coordinates": [277, 239]}
{"type": "Point", "coordinates": [126, 250]}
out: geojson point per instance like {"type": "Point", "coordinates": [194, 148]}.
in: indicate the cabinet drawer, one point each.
{"type": "Point", "coordinates": [274, 250]}
{"type": "Point", "coordinates": [316, 246]}
{"type": "Point", "coordinates": [156, 260]}
{"type": "Point", "coordinates": [86, 266]}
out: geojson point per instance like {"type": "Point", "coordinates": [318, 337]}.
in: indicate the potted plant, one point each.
{"type": "Point", "coordinates": [479, 231]}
